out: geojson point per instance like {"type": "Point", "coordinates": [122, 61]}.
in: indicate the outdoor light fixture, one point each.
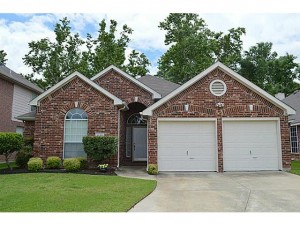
{"type": "Point", "coordinates": [186, 107]}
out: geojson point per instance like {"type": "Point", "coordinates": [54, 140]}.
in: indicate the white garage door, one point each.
{"type": "Point", "coordinates": [250, 146]}
{"type": "Point", "coordinates": [187, 146]}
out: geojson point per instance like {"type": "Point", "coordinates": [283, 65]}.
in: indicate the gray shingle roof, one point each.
{"type": "Point", "coordinates": [12, 76]}
{"type": "Point", "coordinates": [27, 116]}
{"type": "Point", "coordinates": [158, 84]}
{"type": "Point", "coordinates": [293, 100]}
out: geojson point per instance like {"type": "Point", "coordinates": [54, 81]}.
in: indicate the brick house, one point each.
{"type": "Point", "coordinates": [15, 94]}
{"type": "Point", "coordinates": [293, 100]}
{"type": "Point", "coordinates": [217, 121]}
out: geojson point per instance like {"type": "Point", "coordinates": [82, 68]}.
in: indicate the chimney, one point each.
{"type": "Point", "coordinates": [280, 96]}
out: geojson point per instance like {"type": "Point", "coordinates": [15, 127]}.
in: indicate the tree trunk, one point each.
{"type": "Point", "coordinates": [7, 162]}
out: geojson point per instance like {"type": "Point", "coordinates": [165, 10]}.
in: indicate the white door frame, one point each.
{"type": "Point", "coordinates": [191, 120]}
{"type": "Point", "coordinates": [278, 131]}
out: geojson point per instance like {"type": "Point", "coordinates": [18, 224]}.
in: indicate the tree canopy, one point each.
{"type": "Point", "coordinates": [52, 61]}
{"type": "Point", "coordinates": [194, 47]}
{"type": "Point", "coordinates": [3, 57]}
{"type": "Point", "coordinates": [269, 71]}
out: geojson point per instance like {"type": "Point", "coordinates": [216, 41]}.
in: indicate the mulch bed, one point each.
{"type": "Point", "coordinates": [109, 172]}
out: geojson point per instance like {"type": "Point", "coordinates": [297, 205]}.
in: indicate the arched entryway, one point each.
{"type": "Point", "coordinates": [135, 136]}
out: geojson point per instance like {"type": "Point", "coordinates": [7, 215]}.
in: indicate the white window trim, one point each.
{"type": "Point", "coordinates": [297, 140]}
{"type": "Point", "coordinates": [70, 142]}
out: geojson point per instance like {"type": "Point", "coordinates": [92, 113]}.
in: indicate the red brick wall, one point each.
{"type": "Point", "coordinates": [203, 104]}
{"type": "Point", "coordinates": [6, 101]}
{"type": "Point", "coordinates": [124, 88]}
{"type": "Point", "coordinates": [49, 123]}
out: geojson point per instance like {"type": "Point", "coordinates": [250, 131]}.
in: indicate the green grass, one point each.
{"type": "Point", "coordinates": [4, 165]}
{"type": "Point", "coordinates": [295, 167]}
{"type": "Point", "coordinates": [43, 192]}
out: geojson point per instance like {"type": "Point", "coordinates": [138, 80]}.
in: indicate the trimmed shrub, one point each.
{"type": "Point", "coordinates": [53, 162]}
{"type": "Point", "coordinates": [9, 143]}
{"type": "Point", "coordinates": [72, 164]}
{"type": "Point", "coordinates": [152, 169]}
{"type": "Point", "coordinates": [100, 147]}
{"type": "Point", "coordinates": [35, 164]}
{"type": "Point", "coordinates": [83, 162]}
{"type": "Point", "coordinates": [23, 156]}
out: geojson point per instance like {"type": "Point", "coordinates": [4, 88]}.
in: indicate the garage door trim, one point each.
{"type": "Point", "coordinates": [276, 119]}
{"type": "Point", "coordinates": [165, 119]}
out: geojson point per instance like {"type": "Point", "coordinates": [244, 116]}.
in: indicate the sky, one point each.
{"type": "Point", "coordinates": [18, 28]}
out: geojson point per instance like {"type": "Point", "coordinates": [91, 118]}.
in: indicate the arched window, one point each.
{"type": "Point", "coordinates": [136, 119]}
{"type": "Point", "coordinates": [76, 125]}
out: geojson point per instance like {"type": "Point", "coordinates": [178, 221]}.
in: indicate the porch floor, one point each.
{"type": "Point", "coordinates": [134, 172]}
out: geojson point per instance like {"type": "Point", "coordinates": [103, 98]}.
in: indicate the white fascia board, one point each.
{"type": "Point", "coordinates": [155, 95]}
{"type": "Point", "coordinates": [69, 78]}
{"type": "Point", "coordinates": [234, 75]}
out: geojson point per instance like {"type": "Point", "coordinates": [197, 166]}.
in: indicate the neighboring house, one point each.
{"type": "Point", "coordinates": [15, 94]}
{"type": "Point", "coordinates": [293, 100]}
{"type": "Point", "coordinates": [217, 121]}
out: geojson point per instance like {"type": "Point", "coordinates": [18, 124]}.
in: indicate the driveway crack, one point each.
{"type": "Point", "coordinates": [247, 200]}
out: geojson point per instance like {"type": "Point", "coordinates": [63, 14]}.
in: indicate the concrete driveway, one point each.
{"type": "Point", "coordinates": [223, 192]}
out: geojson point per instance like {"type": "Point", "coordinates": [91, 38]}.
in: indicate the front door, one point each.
{"type": "Point", "coordinates": [139, 143]}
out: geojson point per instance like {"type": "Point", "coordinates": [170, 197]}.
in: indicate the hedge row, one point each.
{"type": "Point", "coordinates": [54, 162]}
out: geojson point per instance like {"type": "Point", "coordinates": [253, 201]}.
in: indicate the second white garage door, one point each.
{"type": "Point", "coordinates": [250, 145]}
{"type": "Point", "coordinates": [187, 146]}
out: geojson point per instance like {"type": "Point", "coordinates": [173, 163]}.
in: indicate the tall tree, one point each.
{"type": "Point", "coordinates": [269, 71]}
{"type": "Point", "coordinates": [194, 47]}
{"type": "Point", "coordinates": [3, 57]}
{"type": "Point", "coordinates": [53, 61]}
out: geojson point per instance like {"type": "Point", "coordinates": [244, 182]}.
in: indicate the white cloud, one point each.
{"type": "Point", "coordinates": [281, 29]}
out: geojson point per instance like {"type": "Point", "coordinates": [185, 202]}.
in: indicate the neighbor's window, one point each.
{"type": "Point", "coordinates": [76, 125]}
{"type": "Point", "coordinates": [294, 139]}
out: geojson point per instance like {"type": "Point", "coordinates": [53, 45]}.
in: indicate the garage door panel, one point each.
{"type": "Point", "coordinates": [250, 145]}
{"type": "Point", "coordinates": [186, 146]}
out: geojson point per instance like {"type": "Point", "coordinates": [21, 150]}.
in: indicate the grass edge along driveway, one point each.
{"type": "Point", "coordinates": [47, 192]}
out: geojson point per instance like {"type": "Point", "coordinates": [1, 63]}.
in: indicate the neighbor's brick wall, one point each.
{"type": "Point", "coordinates": [202, 105]}
{"type": "Point", "coordinates": [29, 129]}
{"type": "Point", "coordinates": [6, 101]}
{"type": "Point", "coordinates": [49, 123]}
{"type": "Point", "coordinates": [124, 88]}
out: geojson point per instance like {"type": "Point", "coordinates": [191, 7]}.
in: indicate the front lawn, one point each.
{"type": "Point", "coordinates": [45, 192]}
{"type": "Point", "coordinates": [4, 165]}
{"type": "Point", "coordinates": [295, 167]}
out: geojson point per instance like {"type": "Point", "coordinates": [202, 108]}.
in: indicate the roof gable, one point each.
{"type": "Point", "coordinates": [155, 95]}
{"type": "Point", "coordinates": [69, 78]}
{"type": "Point", "coordinates": [231, 73]}
{"type": "Point", "coordinates": [12, 76]}
{"type": "Point", "coordinates": [293, 100]}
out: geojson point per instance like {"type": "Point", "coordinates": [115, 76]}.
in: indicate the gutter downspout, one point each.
{"type": "Point", "coordinates": [125, 108]}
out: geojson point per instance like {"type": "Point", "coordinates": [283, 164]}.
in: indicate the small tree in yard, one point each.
{"type": "Point", "coordinates": [101, 147]}
{"type": "Point", "coordinates": [9, 143]}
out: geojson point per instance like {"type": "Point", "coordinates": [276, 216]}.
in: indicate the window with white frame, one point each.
{"type": "Point", "coordinates": [76, 125]}
{"type": "Point", "coordinates": [294, 139]}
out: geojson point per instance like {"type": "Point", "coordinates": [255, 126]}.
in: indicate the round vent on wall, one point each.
{"type": "Point", "coordinates": [217, 87]}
